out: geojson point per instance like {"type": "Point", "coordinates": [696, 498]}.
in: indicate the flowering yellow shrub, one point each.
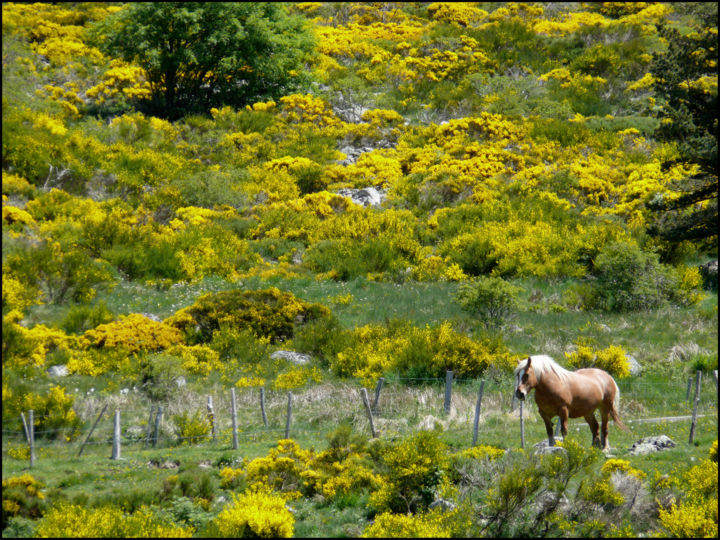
{"type": "Point", "coordinates": [339, 478]}
{"type": "Point", "coordinates": [269, 313]}
{"type": "Point", "coordinates": [696, 515]}
{"type": "Point", "coordinates": [132, 333]}
{"type": "Point", "coordinates": [688, 520]}
{"type": "Point", "coordinates": [461, 13]}
{"type": "Point", "coordinates": [53, 410]}
{"type": "Point", "coordinates": [258, 514]}
{"type": "Point", "coordinates": [481, 452]}
{"type": "Point", "coordinates": [282, 469]}
{"type": "Point", "coordinates": [390, 525]}
{"type": "Point", "coordinates": [231, 477]}
{"type": "Point", "coordinates": [296, 378]}
{"type": "Point", "coordinates": [622, 465]}
{"type": "Point", "coordinates": [299, 109]}
{"type": "Point", "coordinates": [197, 359]}
{"type": "Point", "coordinates": [73, 521]}
{"type": "Point", "coordinates": [613, 360]}
{"type": "Point", "coordinates": [21, 496]}
{"type": "Point", "coordinates": [29, 347]}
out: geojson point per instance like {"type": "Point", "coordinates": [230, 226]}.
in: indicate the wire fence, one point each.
{"type": "Point", "coordinates": [396, 406]}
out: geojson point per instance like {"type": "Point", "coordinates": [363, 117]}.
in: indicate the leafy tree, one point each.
{"type": "Point", "coordinates": [197, 55]}
{"type": "Point", "coordinates": [683, 83]}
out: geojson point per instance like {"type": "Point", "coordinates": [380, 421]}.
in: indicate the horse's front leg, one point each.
{"type": "Point", "coordinates": [549, 428]}
{"type": "Point", "coordinates": [594, 428]}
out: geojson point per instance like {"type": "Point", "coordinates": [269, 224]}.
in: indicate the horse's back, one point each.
{"type": "Point", "coordinates": [600, 377]}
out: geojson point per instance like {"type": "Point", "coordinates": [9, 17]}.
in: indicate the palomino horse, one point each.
{"type": "Point", "coordinates": [569, 394]}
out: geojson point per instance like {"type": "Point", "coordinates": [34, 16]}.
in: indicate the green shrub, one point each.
{"type": "Point", "coordinates": [61, 273]}
{"type": "Point", "coordinates": [81, 318]}
{"type": "Point", "coordinates": [322, 338]}
{"type": "Point", "coordinates": [347, 259]}
{"type": "Point", "coordinates": [629, 279]}
{"type": "Point", "coordinates": [492, 300]}
{"type": "Point", "coordinates": [158, 375]}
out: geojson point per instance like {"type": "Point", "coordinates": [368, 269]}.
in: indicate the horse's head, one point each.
{"type": "Point", "coordinates": [525, 379]}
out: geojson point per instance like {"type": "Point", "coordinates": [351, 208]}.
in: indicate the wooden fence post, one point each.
{"type": "Point", "coordinates": [366, 402]}
{"type": "Point", "coordinates": [695, 406]}
{"type": "Point", "coordinates": [714, 374]}
{"type": "Point", "coordinates": [92, 429]}
{"type": "Point", "coordinates": [477, 411]}
{"type": "Point", "coordinates": [233, 403]}
{"type": "Point", "coordinates": [25, 427]}
{"type": "Point", "coordinates": [262, 406]}
{"type": "Point", "coordinates": [289, 416]}
{"type": "Point", "coordinates": [379, 386]}
{"type": "Point", "coordinates": [211, 416]}
{"type": "Point", "coordinates": [689, 385]}
{"type": "Point", "coordinates": [31, 432]}
{"type": "Point", "coordinates": [448, 391]}
{"type": "Point", "coordinates": [149, 426]}
{"type": "Point", "coordinates": [522, 426]}
{"type": "Point", "coordinates": [116, 436]}
{"type": "Point", "coordinates": [158, 419]}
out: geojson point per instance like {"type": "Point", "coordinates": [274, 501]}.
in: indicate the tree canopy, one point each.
{"type": "Point", "coordinates": [198, 55]}
{"type": "Point", "coordinates": [683, 81]}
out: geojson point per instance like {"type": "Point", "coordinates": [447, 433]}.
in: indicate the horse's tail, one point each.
{"type": "Point", "coordinates": [615, 408]}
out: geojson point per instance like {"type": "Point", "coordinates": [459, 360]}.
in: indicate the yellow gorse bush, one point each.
{"type": "Point", "coordinates": [612, 359]}
{"type": "Point", "coordinates": [390, 525]}
{"type": "Point", "coordinates": [257, 513]}
{"type": "Point", "coordinates": [73, 521]}
{"type": "Point", "coordinates": [133, 333]}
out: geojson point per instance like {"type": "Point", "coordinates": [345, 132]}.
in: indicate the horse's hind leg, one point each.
{"type": "Point", "coordinates": [563, 419]}
{"type": "Point", "coordinates": [594, 427]}
{"type": "Point", "coordinates": [604, 416]}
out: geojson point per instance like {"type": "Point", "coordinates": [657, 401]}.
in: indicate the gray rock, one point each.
{"type": "Point", "coordinates": [445, 506]}
{"type": "Point", "coordinates": [635, 367]}
{"type": "Point", "coordinates": [368, 196]}
{"type": "Point", "coordinates": [543, 447]}
{"type": "Point", "coordinates": [58, 371]}
{"type": "Point", "coordinates": [152, 317]}
{"type": "Point", "coordinates": [648, 445]}
{"type": "Point", "coordinates": [291, 356]}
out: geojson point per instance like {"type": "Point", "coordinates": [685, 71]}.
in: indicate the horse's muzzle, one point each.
{"type": "Point", "coordinates": [520, 395]}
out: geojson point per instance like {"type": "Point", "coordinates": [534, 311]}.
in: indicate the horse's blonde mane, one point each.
{"type": "Point", "coordinates": [542, 364]}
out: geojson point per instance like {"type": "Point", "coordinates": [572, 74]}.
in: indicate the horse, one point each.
{"type": "Point", "coordinates": [569, 394]}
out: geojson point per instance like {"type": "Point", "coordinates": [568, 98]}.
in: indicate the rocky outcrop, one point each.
{"type": "Point", "coordinates": [368, 196]}
{"type": "Point", "coordinates": [649, 445]}
{"type": "Point", "coordinates": [58, 371]}
{"type": "Point", "coordinates": [296, 358]}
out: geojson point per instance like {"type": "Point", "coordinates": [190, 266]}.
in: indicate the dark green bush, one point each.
{"type": "Point", "coordinates": [630, 279]}
{"type": "Point", "coordinates": [492, 300]}
{"type": "Point", "coordinates": [322, 338]}
{"type": "Point", "coordinates": [83, 317]}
